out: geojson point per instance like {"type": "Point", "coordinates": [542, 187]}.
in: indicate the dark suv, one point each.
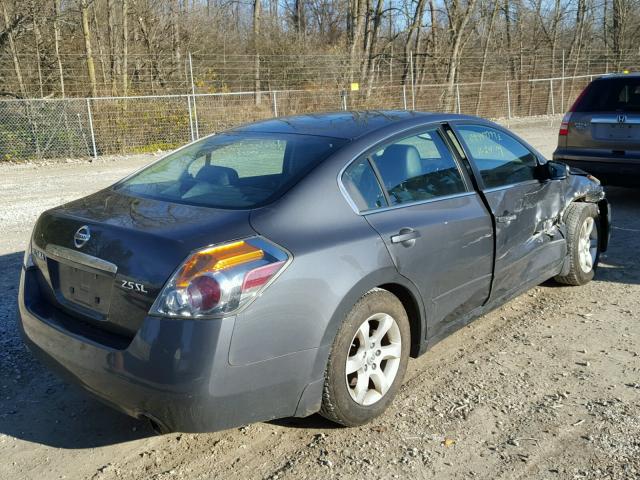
{"type": "Point", "coordinates": [601, 131]}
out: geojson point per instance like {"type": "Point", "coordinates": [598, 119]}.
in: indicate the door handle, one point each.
{"type": "Point", "coordinates": [506, 218]}
{"type": "Point", "coordinates": [406, 236]}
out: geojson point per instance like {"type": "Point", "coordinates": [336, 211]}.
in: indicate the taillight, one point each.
{"type": "Point", "coordinates": [564, 125]}
{"type": "Point", "coordinates": [220, 279]}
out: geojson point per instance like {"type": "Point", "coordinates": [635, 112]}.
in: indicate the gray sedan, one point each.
{"type": "Point", "coordinates": [293, 266]}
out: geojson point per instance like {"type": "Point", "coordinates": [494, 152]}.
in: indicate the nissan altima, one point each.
{"type": "Point", "coordinates": [293, 265]}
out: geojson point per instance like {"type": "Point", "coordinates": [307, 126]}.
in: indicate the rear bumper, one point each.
{"type": "Point", "coordinates": [618, 170]}
{"type": "Point", "coordinates": [175, 372]}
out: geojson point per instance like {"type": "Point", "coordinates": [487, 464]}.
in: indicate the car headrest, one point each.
{"type": "Point", "coordinates": [216, 175]}
{"type": "Point", "coordinates": [398, 163]}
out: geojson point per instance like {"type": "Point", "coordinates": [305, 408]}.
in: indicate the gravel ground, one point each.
{"type": "Point", "coordinates": [547, 386]}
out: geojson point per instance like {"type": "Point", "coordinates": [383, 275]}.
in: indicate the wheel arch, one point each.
{"type": "Point", "coordinates": [414, 313]}
{"type": "Point", "coordinates": [388, 279]}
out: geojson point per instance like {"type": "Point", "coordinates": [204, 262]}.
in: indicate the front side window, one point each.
{"type": "Point", "coordinates": [416, 168]}
{"type": "Point", "coordinates": [231, 170]}
{"type": "Point", "coordinates": [500, 158]}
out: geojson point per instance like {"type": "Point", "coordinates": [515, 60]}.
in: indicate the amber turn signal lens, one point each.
{"type": "Point", "coordinates": [218, 258]}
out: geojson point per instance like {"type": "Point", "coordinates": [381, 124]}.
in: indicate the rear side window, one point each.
{"type": "Point", "coordinates": [233, 170]}
{"type": "Point", "coordinates": [420, 167]}
{"type": "Point", "coordinates": [362, 185]}
{"type": "Point", "coordinates": [501, 159]}
{"type": "Point", "coordinates": [611, 95]}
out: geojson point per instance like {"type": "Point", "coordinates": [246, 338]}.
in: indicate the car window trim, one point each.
{"type": "Point", "coordinates": [378, 175]}
{"type": "Point", "coordinates": [405, 133]}
{"type": "Point", "coordinates": [512, 185]}
{"type": "Point", "coordinates": [472, 160]}
{"type": "Point", "coordinates": [373, 211]}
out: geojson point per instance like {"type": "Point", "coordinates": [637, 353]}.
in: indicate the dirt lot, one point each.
{"type": "Point", "coordinates": [546, 387]}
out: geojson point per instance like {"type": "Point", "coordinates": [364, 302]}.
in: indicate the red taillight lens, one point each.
{"type": "Point", "coordinates": [204, 293]}
{"type": "Point", "coordinates": [259, 277]}
{"type": "Point", "coordinates": [564, 125]}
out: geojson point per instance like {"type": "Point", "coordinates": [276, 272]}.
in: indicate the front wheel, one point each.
{"type": "Point", "coordinates": [583, 229]}
{"type": "Point", "coordinates": [367, 361]}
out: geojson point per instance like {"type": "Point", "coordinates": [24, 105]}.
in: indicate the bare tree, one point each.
{"type": "Point", "coordinates": [86, 33]}
{"type": "Point", "coordinates": [125, 46]}
{"type": "Point", "coordinates": [459, 15]}
{"type": "Point", "coordinates": [257, 12]}
{"type": "Point", "coordinates": [485, 52]}
{"type": "Point", "coordinates": [56, 40]}
{"type": "Point", "coordinates": [9, 28]}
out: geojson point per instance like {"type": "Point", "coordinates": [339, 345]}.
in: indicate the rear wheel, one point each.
{"type": "Point", "coordinates": [367, 361]}
{"type": "Point", "coordinates": [583, 228]}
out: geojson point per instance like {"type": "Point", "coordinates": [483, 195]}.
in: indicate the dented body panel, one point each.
{"type": "Point", "coordinates": [528, 241]}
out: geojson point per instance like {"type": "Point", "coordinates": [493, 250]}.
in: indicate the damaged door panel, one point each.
{"type": "Point", "coordinates": [528, 240]}
{"type": "Point", "coordinates": [526, 209]}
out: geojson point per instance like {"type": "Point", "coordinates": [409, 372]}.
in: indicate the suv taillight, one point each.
{"type": "Point", "coordinates": [220, 279]}
{"type": "Point", "coordinates": [564, 125]}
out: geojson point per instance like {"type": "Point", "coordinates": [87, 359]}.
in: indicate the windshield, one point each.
{"type": "Point", "coordinates": [231, 170]}
{"type": "Point", "coordinates": [611, 95]}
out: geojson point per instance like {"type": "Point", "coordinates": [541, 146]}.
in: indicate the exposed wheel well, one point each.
{"type": "Point", "coordinates": [413, 312]}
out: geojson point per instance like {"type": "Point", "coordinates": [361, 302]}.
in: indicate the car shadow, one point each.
{"type": "Point", "coordinates": [621, 263]}
{"type": "Point", "coordinates": [316, 422]}
{"type": "Point", "coordinates": [36, 406]}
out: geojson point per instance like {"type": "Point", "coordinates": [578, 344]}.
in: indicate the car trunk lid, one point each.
{"type": "Point", "coordinates": [134, 244]}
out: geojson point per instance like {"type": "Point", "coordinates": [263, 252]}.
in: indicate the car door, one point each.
{"type": "Point", "coordinates": [434, 224]}
{"type": "Point", "coordinates": [529, 245]}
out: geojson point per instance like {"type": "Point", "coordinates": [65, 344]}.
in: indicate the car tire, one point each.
{"type": "Point", "coordinates": [583, 243]}
{"type": "Point", "coordinates": [368, 360]}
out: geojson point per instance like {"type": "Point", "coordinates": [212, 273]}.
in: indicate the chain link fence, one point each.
{"type": "Point", "coordinates": [77, 127]}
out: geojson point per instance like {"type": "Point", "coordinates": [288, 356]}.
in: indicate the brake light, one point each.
{"type": "Point", "coordinates": [220, 279]}
{"type": "Point", "coordinates": [564, 125]}
{"type": "Point", "coordinates": [258, 277]}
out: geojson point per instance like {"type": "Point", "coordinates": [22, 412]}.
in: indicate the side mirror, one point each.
{"type": "Point", "coordinates": [555, 170]}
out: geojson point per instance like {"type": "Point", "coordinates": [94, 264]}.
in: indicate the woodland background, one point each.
{"type": "Point", "coordinates": [236, 61]}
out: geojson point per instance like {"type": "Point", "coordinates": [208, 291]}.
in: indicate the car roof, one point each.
{"type": "Point", "coordinates": [347, 124]}
{"type": "Point", "coordinates": [608, 76]}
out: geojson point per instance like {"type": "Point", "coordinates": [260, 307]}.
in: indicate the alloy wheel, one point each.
{"type": "Point", "coordinates": [373, 359]}
{"type": "Point", "coordinates": [587, 245]}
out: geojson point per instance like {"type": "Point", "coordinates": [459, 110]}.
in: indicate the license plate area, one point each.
{"type": "Point", "coordinates": [614, 131]}
{"type": "Point", "coordinates": [87, 288]}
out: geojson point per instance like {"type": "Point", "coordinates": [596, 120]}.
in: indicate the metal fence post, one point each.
{"type": "Point", "coordinates": [275, 104]}
{"type": "Point", "coordinates": [190, 118]}
{"type": "Point", "coordinates": [404, 96]}
{"type": "Point", "coordinates": [508, 102]}
{"type": "Point", "coordinates": [193, 93]}
{"type": "Point", "coordinates": [93, 136]}
{"type": "Point", "coordinates": [562, 85]}
{"type": "Point", "coordinates": [458, 98]}
{"type": "Point", "coordinates": [413, 92]}
{"type": "Point", "coordinates": [344, 99]}
{"type": "Point", "coordinates": [553, 107]}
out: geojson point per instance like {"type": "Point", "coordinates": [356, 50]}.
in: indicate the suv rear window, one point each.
{"type": "Point", "coordinates": [611, 95]}
{"type": "Point", "coordinates": [231, 170]}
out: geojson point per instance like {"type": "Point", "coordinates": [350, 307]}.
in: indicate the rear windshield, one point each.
{"type": "Point", "coordinates": [611, 95]}
{"type": "Point", "coordinates": [231, 170]}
